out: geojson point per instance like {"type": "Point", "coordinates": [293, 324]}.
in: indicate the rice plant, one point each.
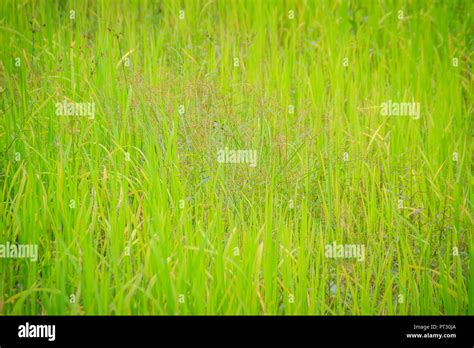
{"type": "Point", "coordinates": [225, 157]}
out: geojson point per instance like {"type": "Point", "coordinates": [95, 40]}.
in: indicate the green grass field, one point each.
{"type": "Point", "coordinates": [133, 212]}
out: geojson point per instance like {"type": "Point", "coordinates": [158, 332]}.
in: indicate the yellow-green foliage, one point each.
{"type": "Point", "coordinates": [133, 213]}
